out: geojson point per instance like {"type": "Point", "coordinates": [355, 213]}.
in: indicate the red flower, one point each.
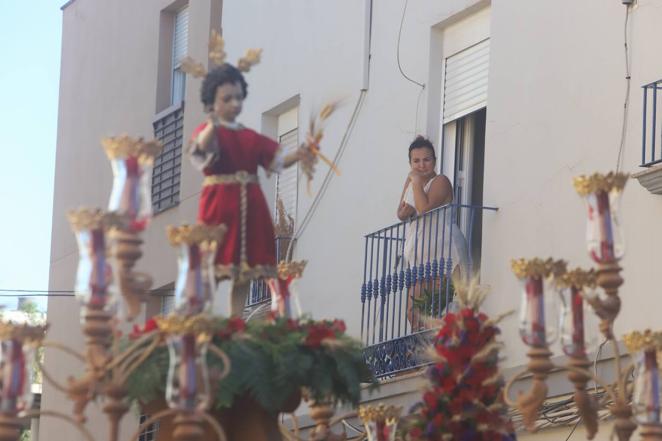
{"type": "Point", "coordinates": [339, 326]}
{"type": "Point", "coordinates": [293, 325]}
{"type": "Point", "coordinates": [317, 333]}
{"type": "Point", "coordinates": [150, 325]}
{"type": "Point", "coordinates": [416, 432]}
{"type": "Point", "coordinates": [234, 325]}
{"type": "Point", "coordinates": [430, 399]}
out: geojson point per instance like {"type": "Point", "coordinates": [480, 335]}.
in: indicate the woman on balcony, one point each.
{"type": "Point", "coordinates": [429, 238]}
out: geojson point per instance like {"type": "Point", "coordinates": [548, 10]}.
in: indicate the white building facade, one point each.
{"type": "Point", "coordinates": [517, 96]}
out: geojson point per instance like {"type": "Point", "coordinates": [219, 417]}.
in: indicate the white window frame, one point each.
{"type": "Point", "coordinates": [179, 41]}
{"type": "Point", "coordinates": [287, 126]}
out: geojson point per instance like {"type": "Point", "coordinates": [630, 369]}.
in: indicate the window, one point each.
{"type": "Point", "coordinates": [287, 182]}
{"type": "Point", "coordinates": [179, 51]}
{"type": "Point", "coordinates": [463, 133]}
{"type": "Point", "coordinates": [149, 434]}
{"type": "Point", "coordinates": [167, 304]}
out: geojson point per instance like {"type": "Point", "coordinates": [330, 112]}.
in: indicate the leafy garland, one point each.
{"type": "Point", "coordinates": [270, 361]}
{"type": "Point", "coordinates": [463, 401]}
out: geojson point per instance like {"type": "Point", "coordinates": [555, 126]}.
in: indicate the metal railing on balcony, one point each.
{"type": "Point", "coordinates": [651, 139]}
{"type": "Point", "coordinates": [169, 129]}
{"type": "Point", "coordinates": [259, 290]}
{"type": "Point", "coordinates": [407, 279]}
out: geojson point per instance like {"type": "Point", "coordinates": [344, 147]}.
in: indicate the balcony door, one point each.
{"type": "Point", "coordinates": [463, 135]}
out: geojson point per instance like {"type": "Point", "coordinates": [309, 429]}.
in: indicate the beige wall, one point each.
{"type": "Point", "coordinates": [554, 107]}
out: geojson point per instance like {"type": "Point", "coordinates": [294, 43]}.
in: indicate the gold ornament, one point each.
{"type": "Point", "coordinates": [636, 341]}
{"type": "Point", "coordinates": [379, 413]}
{"type": "Point", "coordinates": [200, 325]}
{"type": "Point", "coordinates": [95, 218]}
{"type": "Point", "coordinates": [578, 278]}
{"type": "Point", "coordinates": [24, 333]}
{"type": "Point", "coordinates": [291, 269]}
{"type": "Point", "coordinates": [196, 234]}
{"type": "Point", "coordinates": [249, 60]}
{"type": "Point", "coordinates": [587, 184]}
{"type": "Point", "coordinates": [216, 48]}
{"type": "Point", "coordinates": [537, 267]}
{"type": "Point", "coordinates": [124, 146]}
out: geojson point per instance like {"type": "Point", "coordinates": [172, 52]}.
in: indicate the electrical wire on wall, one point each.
{"type": "Point", "coordinates": [329, 175]}
{"type": "Point", "coordinates": [626, 103]}
{"type": "Point", "coordinates": [407, 77]}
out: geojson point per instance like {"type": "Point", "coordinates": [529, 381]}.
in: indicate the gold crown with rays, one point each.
{"type": "Point", "coordinates": [217, 56]}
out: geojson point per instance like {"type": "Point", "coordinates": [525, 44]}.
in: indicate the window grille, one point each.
{"type": "Point", "coordinates": [149, 434]}
{"type": "Point", "coordinates": [169, 129]}
{"type": "Point", "coordinates": [287, 183]}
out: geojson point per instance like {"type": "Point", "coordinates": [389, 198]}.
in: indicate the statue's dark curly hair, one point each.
{"type": "Point", "coordinates": [422, 142]}
{"type": "Point", "coordinates": [225, 73]}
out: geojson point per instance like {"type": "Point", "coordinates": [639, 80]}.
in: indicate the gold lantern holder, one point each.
{"type": "Point", "coordinates": [607, 277]}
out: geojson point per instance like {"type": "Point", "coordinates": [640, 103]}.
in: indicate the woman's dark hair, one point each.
{"type": "Point", "coordinates": [421, 142]}
{"type": "Point", "coordinates": [225, 73]}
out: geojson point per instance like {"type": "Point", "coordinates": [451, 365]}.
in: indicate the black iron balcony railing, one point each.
{"type": "Point", "coordinates": [651, 139]}
{"type": "Point", "coordinates": [407, 279]}
{"type": "Point", "coordinates": [259, 290]}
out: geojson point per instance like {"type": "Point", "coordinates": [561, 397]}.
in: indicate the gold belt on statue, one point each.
{"type": "Point", "coordinates": [241, 177]}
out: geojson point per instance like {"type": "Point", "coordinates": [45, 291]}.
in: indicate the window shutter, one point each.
{"type": "Point", "coordinates": [287, 184]}
{"type": "Point", "coordinates": [465, 81]}
{"type": "Point", "coordinates": [180, 37]}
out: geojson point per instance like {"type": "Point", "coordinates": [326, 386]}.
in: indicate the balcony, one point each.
{"type": "Point", "coordinates": [407, 270]}
{"type": "Point", "coordinates": [651, 141]}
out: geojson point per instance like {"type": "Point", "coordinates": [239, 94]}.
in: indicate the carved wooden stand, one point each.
{"type": "Point", "coordinates": [10, 428]}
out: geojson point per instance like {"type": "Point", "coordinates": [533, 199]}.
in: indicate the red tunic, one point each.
{"type": "Point", "coordinates": [250, 255]}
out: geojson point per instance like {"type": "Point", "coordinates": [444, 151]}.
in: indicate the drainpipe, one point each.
{"type": "Point", "coordinates": [367, 37]}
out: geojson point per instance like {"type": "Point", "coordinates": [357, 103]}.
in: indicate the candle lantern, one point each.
{"type": "Point", "coordinates": [539, 301]}
{"type": "Point", "coordinates": [95, 286]}
{"type": "Point", "coordinates": [17, 347]}
{"type": "Point", "coordinates": [578, 322]}
{"type": "Point", "coordinates": [644, 348]}
{"type": "Point", "coordinates": [195, 284]}
{"type": "Point", "coordinates": [132, 160]}
{"type": "Point", "coordinates": [187, 387]}
{"type": "Point", "coordinates": [381, 422]}
{"type": "Point", "coordinates": [283, 295]}
{"type": "Point", "coordinates": [602, 194]}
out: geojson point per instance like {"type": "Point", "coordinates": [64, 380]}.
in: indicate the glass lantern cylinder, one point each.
{"type": "Point", "coordinates": [132, 161]}
{"type": "Point", "coordinates": [538, 312]}
{"type": "Point", "coordinates": [604, 236]}
{"type": "Point", "coordinates": [187, 388]}
{"type": "Point", "coordinates": [16, 376]}
{"type": "Point", "coordinates": [646, 397]}
{"type": "Point", "coordinates": [195, 286]}
{"type": "Point", "coordinates": [281, 297]}
{"type": "Point", "coordinates": [94, 285]}
{"type": "Point", "coordinates": [284, 302]}
{"type": "Point", "coordinates": [195, 279]}
{"type": "Point", "coordinates": [381, 422]}
{"type": "Point", "coordinates": [579, 324]}
{"type": "Point", "coordinates": [538, 317]}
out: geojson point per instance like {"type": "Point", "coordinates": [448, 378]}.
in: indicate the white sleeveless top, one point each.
{"type": "Point", "coordinates": [434, 236]}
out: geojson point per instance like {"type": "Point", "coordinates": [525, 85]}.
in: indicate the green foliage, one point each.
{"type": "Point", "coordinates": [271, 361]}
{"type": "Point", "coordinates": [432, 302]}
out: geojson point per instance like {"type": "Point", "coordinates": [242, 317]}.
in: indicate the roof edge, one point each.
{"type": "Point", "coordinates": [62, 8]}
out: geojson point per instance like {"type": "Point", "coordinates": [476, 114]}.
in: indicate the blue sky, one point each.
{"type": "Point", "coordinates": [30, 40]}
